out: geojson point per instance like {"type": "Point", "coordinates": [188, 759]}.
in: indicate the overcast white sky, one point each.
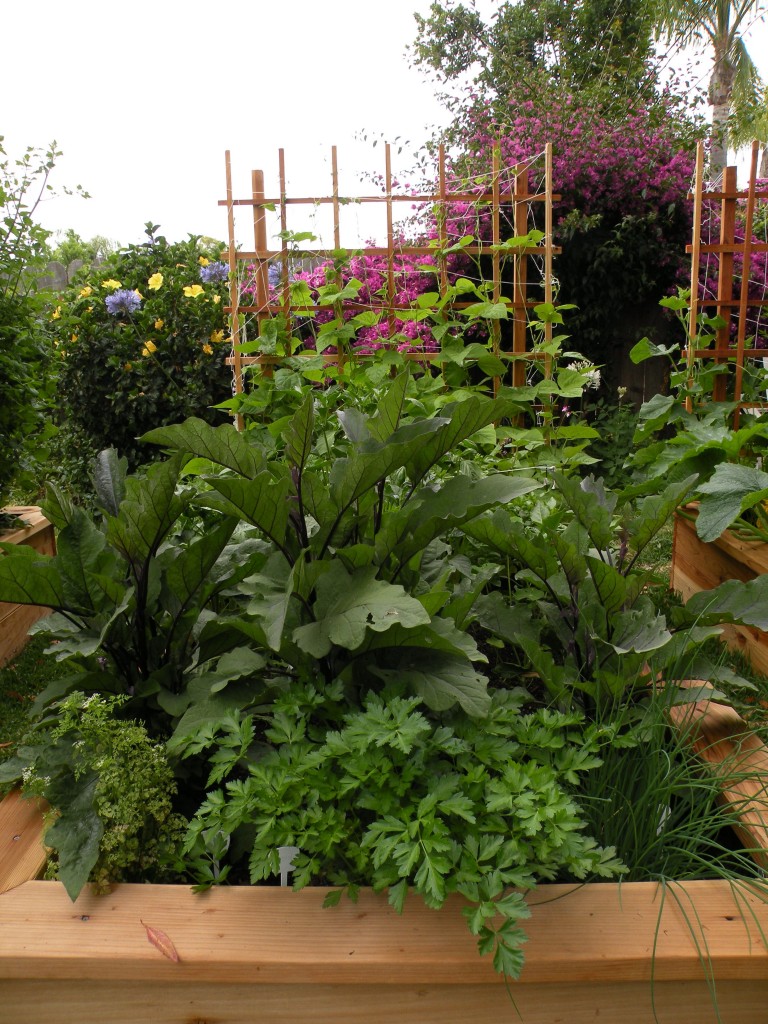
{"type": "Point", "coordinates": [145, 97]}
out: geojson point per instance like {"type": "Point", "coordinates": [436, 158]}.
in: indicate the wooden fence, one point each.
{"type": "Point", "coordinates": [513, 202]}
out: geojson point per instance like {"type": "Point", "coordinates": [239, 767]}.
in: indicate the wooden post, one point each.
{"type": "Point", "coordinates": [693, 309]}
{"type": "Point", "coordinates": [725, 277]}
{"type": "Point", "coordinates": [520, 271]}
{"type": "Point", "coordinates": [745, 277]}
{"type": "Point", "coordinates": [234, 293]}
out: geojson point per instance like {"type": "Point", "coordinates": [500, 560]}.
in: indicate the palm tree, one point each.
{"type": "Point", "coordinates": [751, 122]}
{"type": "Point", "coordinates": [734, 80]}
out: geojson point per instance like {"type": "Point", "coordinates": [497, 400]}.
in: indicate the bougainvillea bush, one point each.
{"type": "Point", "coordinates": [142, 341]}
{"type": "Point", "coordinates": [622, 217]}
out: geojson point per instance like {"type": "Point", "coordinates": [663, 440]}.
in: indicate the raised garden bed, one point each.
{"type": "Point", "coordinates": [697, 565]}
{"type": "Point", "coordinates": [16, 619]}
{"type": "Point", "coordinates": [269, 955]}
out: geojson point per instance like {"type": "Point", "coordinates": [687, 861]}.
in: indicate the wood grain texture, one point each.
{"type": "Point", "coordinates": [22, 855]}
{"type": "Point", "coordinates": [697, 565]}
{"type": "Point", "coordinates": [272, 956]}
{"type": "Point", "coordinates": [16, 619]}
{"type": "Point", "coordinates": [599, 932]}
{"type": "Point", "coordinates": [105, 1002]}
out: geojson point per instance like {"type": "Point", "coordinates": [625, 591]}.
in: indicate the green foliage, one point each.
{"type": "Point", "coordinates": [582, 616]}
{"type": "Point", "coordinates": [25, 384]}
{"type": "Point", "coordinates": [393, 797]}
{"type": "Point", "coordinates": [597, 45]}
{"type": "Point", "coordinates": [651, 800]}
{"type": "Point", "coordinates": [129, 602]}
{"type": "Point", "coordinates": [125, 371]}
{"type": "Point", "coordinates": [100, 828]}
{"type": "Point", "coordinates": [72, 247]}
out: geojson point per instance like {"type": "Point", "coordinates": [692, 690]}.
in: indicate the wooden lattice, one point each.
{"type": "Point", "coordinates": [740, 292]}
{"type": "Point", "coordinates": [514, 209]}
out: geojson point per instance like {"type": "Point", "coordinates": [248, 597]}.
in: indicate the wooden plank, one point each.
{"type": "Point", "coordinates": [22, 854]}
{"type": "Point", "coordinates": [597, 933]}
{"type": "Point", "coordinates": [698, 566]}
{"type": "Point", "coordinates": [739, 759]}
{"type": "Point", "coordinates": [107, 1002]}
{"type": "Point", "coordinates": [16, 619]}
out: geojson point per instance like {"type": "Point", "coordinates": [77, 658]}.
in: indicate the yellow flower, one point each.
{"type": "Point", "coordinates": [56, 313]}
{"type": "Point", "coordinates": [85, 292]}
{"type": "Point", "coordinates": [217, 336]}
{"type": "Point", "coordinates": [89, 310]}
{"type": "Point", "coordinates": [73, 339]}
{"type": "Point", "coordinates": [149, 348]}
{"type": "Point", "coordinates": [203, 261]}
{"type": "Point", "coordinates": [207, 349]}
{"type": "Point", "coordinates": [216, 299]}
{"type": "Point", "coordinates": [111, 283]}
{"type": "Point", "coordinates": [159, 324]}
{"type": "Point", "coordinates": [128, 366]}
{"type": "Point", "coordinates": [137, 293]}
{"type": "Point", "coordinates": [192, 291]}
{"type": "Point", "coordinates": [155, 282]}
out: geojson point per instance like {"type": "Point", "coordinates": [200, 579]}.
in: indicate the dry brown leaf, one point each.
{"type": "Point", "coordinates": [161, 941]}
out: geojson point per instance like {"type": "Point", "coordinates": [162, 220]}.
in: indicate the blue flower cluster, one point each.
{"type": "Point", "coordinates": [214, 272]}
{"type": "Point", "coordinates": [122, 301]}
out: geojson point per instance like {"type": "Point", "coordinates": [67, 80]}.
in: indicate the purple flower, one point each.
{"type": "Point", "coordinates": [214, 272]}
{"type": "Point", "coordinates": [122, 301]}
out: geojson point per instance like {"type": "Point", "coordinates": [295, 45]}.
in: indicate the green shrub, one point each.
{"type": "Point", "coordinates": [24, 364]}
{"type": "Point", "coordinates": [141, 341]}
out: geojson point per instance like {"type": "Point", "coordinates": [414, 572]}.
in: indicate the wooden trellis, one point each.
{"type": "Point", "coordinates": [504, 193]}
{"type": "Point", "coordinates": [735, 341]}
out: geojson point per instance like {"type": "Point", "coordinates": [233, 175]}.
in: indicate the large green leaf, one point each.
{"type": "Point", "coordinates": [655, 511]}
{"type": "Point", "coordinates": [299, 433]}
{"type": "Point", "coordinates": [440, 634]}
{"type": "Point", "coordinates": [27, 577]}
{"type": "Point", "coordinates": [732, 490]}
{"type": "Point", "coordinates": [390, 409]}
{"type": "Point", "coordinates": [464, 420]}
{"type": "Point", "coordinates": [271, 589]}
{"type": "Point", "coordinates": [350, 603]}
{"type": "Point", "coordinates": [434, 512]}
{"type": "Point", "coordinates": [262, 501]}
{"type": "Point", "coordinates": [441, 680]}
{"type": "Point", "coordinates": [223, 445]}
{"type": "Point", "coordinates": [610, 585]}
{"type": "Point", "coordinates": [592, 507]}
{"type": "Point", "coordinates": [76, 835]}
{"type": "Point", "coordinates": [351, 477]}
{"type": "Point", "coordinates": [733, 601]}
{"type": "Point", "coordinates": [188, 573]}
{"type": "Point", "coordinates": [108, 475]}
{"type": "Point", "coordinates": [148, 511]}
{"type": "Point", "coordinates": [85, 564]}
{"type": "Point", "coordinates": [639, 630]}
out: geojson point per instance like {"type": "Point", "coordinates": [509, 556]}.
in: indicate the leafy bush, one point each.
{"type": "Point", "coordinates": [393, 796]}
{"type": "Point", "coordinates": [101, 828]}
{"type": "Point", "coordinates": [622, 219]}
{"type": "Point", "coordinates": [141, 340]}
{"type": "Point", "coordinates": [23, 357]}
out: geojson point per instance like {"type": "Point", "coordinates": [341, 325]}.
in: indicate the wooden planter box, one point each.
{"type": "Point", "coordinates": [262, 955]}
{"type": "Point", "coordinates": [697, 565]}
{"type": "Point", "coordinates": [15, 619]}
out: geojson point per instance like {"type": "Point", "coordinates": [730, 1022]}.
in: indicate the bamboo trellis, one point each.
{"type": "Point", "coordinates": [508, 192]}
{"type": "Point", "coordinates": [744, 316]}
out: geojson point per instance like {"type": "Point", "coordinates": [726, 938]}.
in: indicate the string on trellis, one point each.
{"type": "Point", "coordinates": [729, 259]}
{"type": "Point", "coordinates": [469, 218]}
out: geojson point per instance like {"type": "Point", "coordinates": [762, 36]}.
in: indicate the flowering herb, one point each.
{"type": "Point", "coordinates": [123, 301]}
